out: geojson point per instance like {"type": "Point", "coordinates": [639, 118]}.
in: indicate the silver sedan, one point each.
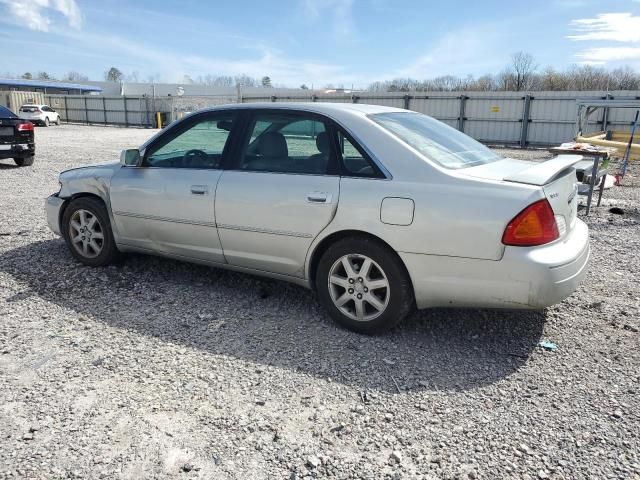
{"type": "Point", "coordinates": [379, 210]}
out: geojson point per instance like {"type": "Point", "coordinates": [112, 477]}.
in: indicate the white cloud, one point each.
{"type": "Point", "coordinates": [340, 12]}
{"type": "Point", "coordinates": [623, 28]}
{"type": "Point", "coordinates": [35, 14]}
{"type": "Point", "coordinates": [600, 55]}
{"type": "Point", "coordinates": [618, 27]}
{"type": "Point", "coordinates": [458, 53]}
{"type": "Point", "coordinates": [171, 66]}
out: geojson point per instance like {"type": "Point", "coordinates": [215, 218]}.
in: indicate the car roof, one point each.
{"type": "Point", "coordinates": [317, 107]}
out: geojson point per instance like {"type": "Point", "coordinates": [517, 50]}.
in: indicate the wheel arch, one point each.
{"type": "Point", "coordinates": [332, 238]}
{"type": "Point", "coordinates": [67, 202]}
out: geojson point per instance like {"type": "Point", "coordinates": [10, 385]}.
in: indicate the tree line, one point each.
{"type": "Point", "coordinates": [521, 74]}
{"type": "Point", "coordinates": [114, 74]}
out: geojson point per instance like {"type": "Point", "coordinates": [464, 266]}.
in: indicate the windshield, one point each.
{"type": "Point", "coordinates": [436, 140]}
{"type": "Point", "coordinates": [6, 113]}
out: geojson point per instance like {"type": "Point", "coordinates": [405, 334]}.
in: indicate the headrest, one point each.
{"type": "Point", "coordinates": [322, 142]}
{"type": "Point", "coordinates": [273, 144]}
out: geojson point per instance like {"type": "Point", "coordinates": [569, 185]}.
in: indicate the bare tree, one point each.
{"type": "Point", "coordinates": [523, 67]}
{"type": "Point", "coordinates": [245, 81]}
{"type": "Point", "coordinates": [624, 79]}
{"type": "Point", "coordinates": [73, 76]}
{"type": "Point", "coordinates": [266, 81]}
{"type": "Point", "coordinates": [45, 76]}
{"type": "Point", "coordinates": [113, 75]}
{"type": "Point", "coordinates": [485, 83]}
{"type": "Point", "coordinates": [27, 76]}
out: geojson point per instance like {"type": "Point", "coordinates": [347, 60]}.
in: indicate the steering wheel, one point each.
{"type": "Point", "coordinates": [192, 154]}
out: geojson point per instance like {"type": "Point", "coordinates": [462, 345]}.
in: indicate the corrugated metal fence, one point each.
{"type": "Point", "coordinates": [510, 118]}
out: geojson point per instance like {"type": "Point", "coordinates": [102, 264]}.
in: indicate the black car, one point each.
{"type": "Point", "coordinates": [16, 138]}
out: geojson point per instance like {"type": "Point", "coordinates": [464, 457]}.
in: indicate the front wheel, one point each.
{"type": "Point", "coordinates": [25, 161]}
{"type": "Point", "coordinates": [87, 231]}
{"type": "Point", "coordinates": [364, 285]}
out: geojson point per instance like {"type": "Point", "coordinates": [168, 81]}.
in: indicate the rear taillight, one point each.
{"type": "Point", "coordinates": [25, 127]}
{"type": "Point", "coordinates": [535, 225]}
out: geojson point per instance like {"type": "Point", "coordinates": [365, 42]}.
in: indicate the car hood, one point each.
{"type": "Point", "coordinates": [102, 169]}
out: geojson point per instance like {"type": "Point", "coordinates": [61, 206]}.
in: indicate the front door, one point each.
{"type": "Point", "coordinates": [281, 192]}
{"type": "Point", "coordinates": [167, 204]}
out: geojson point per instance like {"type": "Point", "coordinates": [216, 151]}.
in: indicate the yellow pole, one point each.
{"type": "Point", "coordinates": [158, 120]}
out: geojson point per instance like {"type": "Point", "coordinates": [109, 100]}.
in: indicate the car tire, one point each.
{"type": "Point", "coordinates": [369, 302]}
{"type": "Point", "coordinates": [86, 229]}
{"type": "Point", "coordinates": [24, 161]}
{"type": "Point", "coordinates": [46, 121]}
{"type": "Point", "coordinates": [58, 121]}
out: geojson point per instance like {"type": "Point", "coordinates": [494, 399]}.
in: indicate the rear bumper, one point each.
{"type": "Point", "coordinates": [525, 277]}
{"type": "Point", "coordinates": [53, 204]}
{"type": "Point", "coordinates": [17, 150]}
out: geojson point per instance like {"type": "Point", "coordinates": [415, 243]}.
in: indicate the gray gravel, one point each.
{"type": "Point", "coordinates": [159, 369]}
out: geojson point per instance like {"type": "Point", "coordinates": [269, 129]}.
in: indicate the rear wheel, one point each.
{"type": "Point", "coordinates": [87, 231]}
{"type": "Point", "coordinates": [58, 121]}
{"type": "Point", "coordinates": [364, 285]}
{"type": "Point", "coordinates": [46, 121]}
{"type": "Point", "coordinates": [25, 161]}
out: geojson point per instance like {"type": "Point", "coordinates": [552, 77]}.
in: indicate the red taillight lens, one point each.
{"type": "Point", "coordinates": [25, 127]}
{"type": "Point", "coordinates": [535, 225]}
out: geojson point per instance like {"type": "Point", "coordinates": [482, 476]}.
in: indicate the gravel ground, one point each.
{"type": "Point", "coordinates": [159, 369]}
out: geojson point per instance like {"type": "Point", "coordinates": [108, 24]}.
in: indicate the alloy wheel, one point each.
{"type": "Point", "coordinates": [358, 287]}
{"type": "Point", "coordinates": [86, 234]}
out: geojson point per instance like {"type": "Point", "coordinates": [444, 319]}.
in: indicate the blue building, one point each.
{"type": "Point", "coordinates": [48, 87]}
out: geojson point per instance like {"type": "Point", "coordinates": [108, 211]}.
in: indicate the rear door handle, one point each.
{"type": "Point", "coordinates": [199, 189]}
{"type": "Point", "coordinates": [318, 197]}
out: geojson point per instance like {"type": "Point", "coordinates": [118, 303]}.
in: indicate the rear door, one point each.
{"type": "Point", "coordinates": [280, 193]}
{"type": "Point", "coordinates": [167, 204]}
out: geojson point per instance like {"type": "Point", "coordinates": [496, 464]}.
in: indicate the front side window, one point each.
{"type": "Point", "coordinates": [200, 146]}
{"type": "Point", "coordinates": [287, 143]}
{"type": "Point", "coordinates": [441, 143]}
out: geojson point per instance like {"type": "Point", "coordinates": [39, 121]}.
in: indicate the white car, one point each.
{"type": "Point", "coordinates": [40, 114]}
{"type": "Point", "coordinates": [379, 210]}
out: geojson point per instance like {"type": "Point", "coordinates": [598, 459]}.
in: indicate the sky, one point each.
{"type": "Point", "coordinates": [312, 42]}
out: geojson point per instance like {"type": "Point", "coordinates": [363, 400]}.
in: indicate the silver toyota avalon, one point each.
{"type": "Point", "coordinates": [379, 210]}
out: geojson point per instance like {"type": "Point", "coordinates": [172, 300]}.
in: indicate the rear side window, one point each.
{"type": "Point", "coordinates": [287, 143]}
{"type": "Point", "coordinates": [6, 113]}
{"type": "Point", "coordinates": [355, 163]}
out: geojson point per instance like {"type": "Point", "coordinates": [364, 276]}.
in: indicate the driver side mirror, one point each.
{"type": "Point", "coordinates": [130, 157]}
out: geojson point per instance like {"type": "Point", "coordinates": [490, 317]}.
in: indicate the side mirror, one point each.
{"type": "Point", "coordinates": [130, 157]}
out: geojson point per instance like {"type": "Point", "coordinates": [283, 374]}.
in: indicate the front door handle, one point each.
{"type": "Point", "coordinates": [318, 197]}
{"type": "Point", "coordinates": [199, 189]}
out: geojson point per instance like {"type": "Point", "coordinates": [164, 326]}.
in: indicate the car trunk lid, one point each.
{"type": "Point", "coordinates": [8, 130]}
{"type": "Point", "coordinates": [556, 176]}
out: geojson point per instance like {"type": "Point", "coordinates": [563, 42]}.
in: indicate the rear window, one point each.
{"type": "Point", "coordinates": [29, 109]}
{"type": "Point", "coordinates": [437, 141]}
{"type": "Point", "coordinates": [6, 113]}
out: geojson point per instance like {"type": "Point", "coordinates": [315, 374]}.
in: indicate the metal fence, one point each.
{"type": "Point", "coordinates": [508, 118]}
{"type": "Point", "coordinates": [89, 109]}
